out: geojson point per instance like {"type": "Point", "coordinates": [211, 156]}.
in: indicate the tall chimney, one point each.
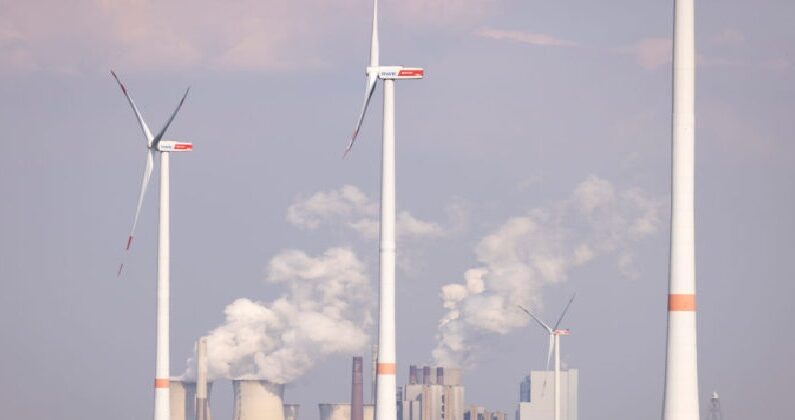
{"type": "Point", "coordinates": [357, 389]}
{"type": "Point", "coordinates": [202, 408]}
{"type": "Point", "coordinates": [439, 375]}
{"type": "Point", "coordinates": [426, 375]}
{"type": "Point", "coordinates": [413, 374]}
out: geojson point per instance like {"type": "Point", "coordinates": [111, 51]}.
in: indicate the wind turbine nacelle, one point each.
{"type": "Point", "coordinates": [563, 332]}
{"type": "Point", "coordinates": [174, 146]}
{"type": "Point", "coordinates": [399, 72]}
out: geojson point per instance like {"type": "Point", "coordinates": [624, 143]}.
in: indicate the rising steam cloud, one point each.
{"type": "Point", "coordinates": [350, 207]}
{"type": "Point", "coordinates": [531, 251]}
{"type": "Point", "coordinates": [324, 309]}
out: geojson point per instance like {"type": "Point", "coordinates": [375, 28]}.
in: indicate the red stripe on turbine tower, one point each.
{"type": "Point", "coordinates": [682, 303]}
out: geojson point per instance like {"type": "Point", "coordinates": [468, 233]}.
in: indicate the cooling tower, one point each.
{"type": "Point", "coordinates": [291, 411]}
{"type": "Point", "coordinates": [343, 411]}
{"type": "Point", "coordinates": [181, 401]}
{"type": "Point", "coordinates": [258, 400]}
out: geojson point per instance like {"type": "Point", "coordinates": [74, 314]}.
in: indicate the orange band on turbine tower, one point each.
{"type": "Point", "coordinates": [387, 369]}
{"type": "Point", "coordinates": [161, 383]}
{"type": "Point", "coordinates": [682, 303]}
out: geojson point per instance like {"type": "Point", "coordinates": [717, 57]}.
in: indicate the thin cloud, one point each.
{"type": "Point", "coordinates": [523, 37]}
{"type": "Point", "coordinates": [650, 53]}
{"type": "Point", "coordinates": [442, 12]}
{"type": "Point", "coordinates": [243, 35]}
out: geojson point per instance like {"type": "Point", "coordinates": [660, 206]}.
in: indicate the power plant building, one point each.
{"type": "Point", "coordinates": [438, 395]}
{"type": "Point", "coordinates": [537, 396]}
{"type": "Point", "coordinates": [480, 413]}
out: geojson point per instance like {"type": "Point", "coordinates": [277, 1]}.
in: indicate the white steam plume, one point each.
{"type": "Point", "coordinates": [352, 208]}
{"type": "Point", "coordinates": [539, 248]}
{"type": "Point", "coordinates": [325, 309]}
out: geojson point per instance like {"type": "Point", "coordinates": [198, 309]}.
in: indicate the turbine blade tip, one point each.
{"type": "Point", "coordinates": [129, 242]}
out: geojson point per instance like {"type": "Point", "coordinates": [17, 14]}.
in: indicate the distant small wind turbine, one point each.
{"type": "Point", "coordinates": [157, 144]}
{"type": "Point", "coordinates": [386, 383]}
{"type": "Point", "coordinates": [554, 343]}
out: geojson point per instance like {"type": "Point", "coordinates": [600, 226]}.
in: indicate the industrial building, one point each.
{"type": "Point", "coordinates": [480, 413]}
{"type": "Point", "coordinates": [439, 395]}
{"type": "Point", "coordinates": [537, 395]}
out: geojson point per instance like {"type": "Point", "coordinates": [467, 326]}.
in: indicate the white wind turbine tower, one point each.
{"type": "Point", "coordinates": [157, 144]}
{"type": "Point", "coordinates": [554, 343]}
{"type": "Point", "coordinates": [680, 401]}
{"type": "Point", "coordinates": [385, 402]}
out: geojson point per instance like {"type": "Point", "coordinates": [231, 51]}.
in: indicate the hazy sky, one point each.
{"type": "Point", "coordinates": [538, 144]}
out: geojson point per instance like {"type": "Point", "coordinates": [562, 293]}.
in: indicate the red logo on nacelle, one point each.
{"type": "Point", "coordinates": [411, 72]}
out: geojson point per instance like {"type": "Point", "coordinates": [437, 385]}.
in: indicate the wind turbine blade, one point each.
{"type": "Point", "coordinates": [141, 122]}
{"type": "Point", "coordinates": [540, 322]}
{"type": "Point", "coordinates": [372, 80]}
{"type": "Point", "coordinates": [557, 324]}
{"type": "Point", "coordinates": [144, 184]}
{"type": "Point", "coordinates": [374, 47]}
{"type": "Point", "coordinates": [168, 123]}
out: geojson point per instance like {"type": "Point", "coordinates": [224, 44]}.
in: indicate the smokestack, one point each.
{"type": "Point", "coordinates": [258, 400]}
{"type": "Point", "coordinates": [357, 390]}
{"type": "Point", "coordinates": [426, 375]}
{"type": "Point", "coordinates": [181, 400]}
{"type": "Point", "coordinates": [413, 374]}
{"type": "Point", "coordinates": [680, 400]}
{"type": "Point", "coordinates": [202, 407]}
{"type": "Point", "coordinates": [440, 375]}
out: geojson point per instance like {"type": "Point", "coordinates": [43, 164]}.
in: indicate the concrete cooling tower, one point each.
{"type": "Point", "coordinates": [258, 400]}
{"type": "Point", "coordinates": [291, 411]}
{"type": "Point", "coordinates": [343, 411]}
{"type": "Point", "coordinates": [183, 400]}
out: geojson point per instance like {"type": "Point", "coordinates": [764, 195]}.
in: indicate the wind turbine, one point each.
{"type": "Point", "coordinates": [554, 343]}
{"type": "Point", "coordinates": [165, 147]}
{"type": "Point", "coordinates": [386, 405]}
{"type": "Point", "coordinates": [680, 398]}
